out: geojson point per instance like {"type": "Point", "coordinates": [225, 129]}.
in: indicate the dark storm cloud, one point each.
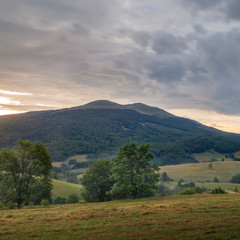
{"type": "Point", "coordinates": [141, 37]}
{"type": "Point", "coordinates": [166, 71]}
{"type": "Point", "coordinates": [219, 62]}
{"type": "Point", "coordinates": [166, 43]}
{"type": "Point", "coordinates": [199, 29]}
{"type": "Point", "coordinates": [233, 9]}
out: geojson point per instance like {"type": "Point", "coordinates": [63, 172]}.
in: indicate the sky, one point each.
{"type": "Point", "coordinates": [179, 55]}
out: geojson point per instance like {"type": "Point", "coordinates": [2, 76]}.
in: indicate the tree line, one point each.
{"type": "Point", "coordinates": [25, 172]}
{"type": "Point", "coordinates": [129, 175]}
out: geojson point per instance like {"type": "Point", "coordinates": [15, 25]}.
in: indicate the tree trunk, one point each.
{"type": "Point", "coordinates": [19, 203]}
{"type": "Point", "coordinates": [134, 194]}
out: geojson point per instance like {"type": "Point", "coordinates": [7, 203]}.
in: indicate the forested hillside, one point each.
{"type": "Point", "coordinates": [98, 130]}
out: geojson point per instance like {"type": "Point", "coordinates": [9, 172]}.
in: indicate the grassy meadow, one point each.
{"type": "Point", "coordinates": [78, 158]}
{"type": "Point", "coordinates": [178, 217]}
{"type": "Point", "coordinates": [201, 172]}
{"type": "Point", "coordinates": [209, 156]}
{"type": "Point", "coordinates": [64, 189]}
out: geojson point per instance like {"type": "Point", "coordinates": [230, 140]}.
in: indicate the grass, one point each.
{"type": "Point", "coordinates": [209, 185]}
{"type": "Point", "coordinates": [224, 186]}
{"type": "Point", "coordinates": [203, 216]}
{"type": "Point", "coordinates": [209, 156]}
{"type": "Point", "coordinates": [64, 189]}
{"type": "Point", "coordinates": [198, 172]}
{"type": "Point", "coordinates": [78, 158]}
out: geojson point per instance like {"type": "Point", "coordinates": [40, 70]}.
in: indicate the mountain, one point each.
{"type": "Point", "coordinates": [99, 128]}
{"type": "Point", "coordinates": [139, 107]}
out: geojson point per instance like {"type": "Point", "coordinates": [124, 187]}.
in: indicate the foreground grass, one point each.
{"type": "Point", "coordinates": [176, 217]}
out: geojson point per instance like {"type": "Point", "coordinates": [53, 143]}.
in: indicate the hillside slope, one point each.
{"type": "Point", "coordinates": [99, 128]}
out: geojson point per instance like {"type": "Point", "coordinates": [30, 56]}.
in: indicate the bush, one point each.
{"type": "Point", "coordinates": [217, 191]}
{"type": "Point", "coordinates": [195, 190]}
{"type": "Point", "coordinates": [187, 191]}
{"type": "Point", "coordinates": [45, 202]}
{"type": "Point", "coordinates": [188, 185]}
{"type": "Point", "coordinates": [235, 179]}
{"type": "Point", "coordinates": [163, 191]}
{"type": "Point", "coordinates": [59, 200]}
{"type": "Point", "coordinates": [73, 198]}
{"type": "Point", "coordinates": [165, 178]}
{"type": "Point", "coordinates": [215, 179]}
{"type": "Point", "coordinates": [11, 205]}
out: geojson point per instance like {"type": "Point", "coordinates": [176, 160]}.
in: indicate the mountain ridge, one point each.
{"type": "Point", "coordinates": [140, 107]}
{"type": "Point", "coordinates": [99, 128]}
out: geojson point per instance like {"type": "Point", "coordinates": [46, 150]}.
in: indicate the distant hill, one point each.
{"type": "Point", "coordinates": [99, 128]}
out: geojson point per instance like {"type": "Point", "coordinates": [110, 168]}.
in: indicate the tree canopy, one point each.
{"type": "Point", "coordinates": [133, 173]}
{"type": "Point", "coordinates": [97, 182]}
{"type": "Point", "coordinates": [24, 173]}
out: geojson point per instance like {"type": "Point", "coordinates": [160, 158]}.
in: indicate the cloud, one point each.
{"type": "Point", "coordinates": [166, 43]}
{"type": "Point", "coordinates": [14, 93]}
{"type": "Point", "coordinates": [199, 29]}
{"type": "Point", "coordinates": [141, 37]}
{"type": "Point", "coordinates": [233, 9]}
{"type": "Point", "coordinates": [202, 5]}
{"type": "Point", "coordinates": [166, 71]}
{"type": "Point", "coordinates": [168, 53]}
{"type": "Point", "coordinates": [5, 100]}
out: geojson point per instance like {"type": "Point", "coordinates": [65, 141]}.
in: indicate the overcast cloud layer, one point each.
{"type": "Point", "coordinates": [175, 54]}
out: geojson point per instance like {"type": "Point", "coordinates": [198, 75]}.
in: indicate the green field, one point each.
{"type": "Point", "coordinates": [198, 172]}
{"type": "Point", "coordinates": [230, 187]}
{"type": "Point", "coordinates": [64, 189]}
{"type": "Point", "coordinates": [78, 158]}
{"type": "Point", "coordinates": [177, 217]}
{"type": "Point", "coordinates": [209, 156]}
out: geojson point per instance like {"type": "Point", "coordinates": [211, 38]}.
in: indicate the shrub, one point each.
{"type": "Point", "coordinates": [199, 189]}
{"type": "Point", "coordinates": [45, 202]}
{"type": "Point", "coordinates": [73, 198]}
{"type": "Point", "coordinates": [59, 200]}
{"type": "Point", "coordinates": [217, 191]}
{"type": "Point", "coordinates": [11, 205]}
{"type": "Point", "coordinates": [235, 179]}
{"type": "Point", "coordinates": [215, 179]}
{"type": "Point", "coordinates": [187, 191]}
{"type": "Point", "coordinates": [163, 191]}
{"type": "Point", "coordinates": [165, 178]}
{"type": "Point", "coordinates": [194, 190]}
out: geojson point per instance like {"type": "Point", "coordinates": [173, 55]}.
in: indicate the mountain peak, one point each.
{"type": "Point", "coordinates": [101, 104]}
{"type": "Point", "coordinates": [139, 107]}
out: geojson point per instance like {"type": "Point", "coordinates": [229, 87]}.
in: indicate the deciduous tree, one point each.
{"type": "Point", "coordinates": [97, 182]}
{"type": "Point", "coordinates": [24, 173]}
{"type": "Point", "coordinates": [133, 173]}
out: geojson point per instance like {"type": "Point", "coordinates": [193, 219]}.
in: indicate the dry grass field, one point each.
{"type": "Point", "coordinates": [201, 172]}
{"type": "Point", "coordinates": [177, 217]}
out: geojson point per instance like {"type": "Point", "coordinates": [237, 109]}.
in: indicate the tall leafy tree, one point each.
{"type": "Point", "coordinates": [24, 173]}
{"type": "Point", "coordinates": [133, 173]}
{"type": "Point", "coordinates": [97, 182]}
